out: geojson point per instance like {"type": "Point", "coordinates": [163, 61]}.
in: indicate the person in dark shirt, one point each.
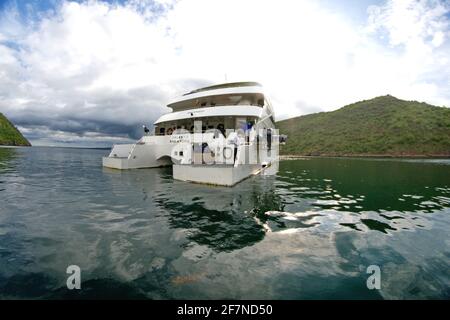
{"type": "Point", "coordinates": [269, 139]}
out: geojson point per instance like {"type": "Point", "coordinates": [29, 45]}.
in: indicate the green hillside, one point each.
{"type": "Point", "coordinates": [381, 126]}
{"type": "Point", "coordinates": [9, 135]}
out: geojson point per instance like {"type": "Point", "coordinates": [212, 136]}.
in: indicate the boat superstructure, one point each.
{"type": "Point", "coordinates": [218, 135]}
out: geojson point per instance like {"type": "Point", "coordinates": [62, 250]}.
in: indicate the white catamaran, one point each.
{"type": "Point", "coordinates": [217, 135]}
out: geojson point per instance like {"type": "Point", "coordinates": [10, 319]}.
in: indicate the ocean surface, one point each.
{"type": "Point", "coordinates": [308, 232]}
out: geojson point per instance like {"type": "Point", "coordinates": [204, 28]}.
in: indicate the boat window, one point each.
{"type": "Point", "coordinates": [221, 123]}
{"type": "Point", "coordinates": [244, 102]}
{"type": "Point", "coordinates": [252, 99]}
{"type": "Point", "coordinates": [241, 123]}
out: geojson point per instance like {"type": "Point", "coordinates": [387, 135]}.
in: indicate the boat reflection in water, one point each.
{"type": "Point", "coordinates": [219, 217]}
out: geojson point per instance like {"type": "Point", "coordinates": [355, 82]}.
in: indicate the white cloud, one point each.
{"type": "Point", "coordinates": [410, 21]}
{"type": "Point", "coordinates": [99, 67]}
{"type": "Point", "coordinates": [417, 33]}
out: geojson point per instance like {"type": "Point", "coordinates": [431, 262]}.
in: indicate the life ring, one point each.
{"type": "Point", "coordinates": [230, 154]}
{"type": "Point", "coordinates": [169, 131]}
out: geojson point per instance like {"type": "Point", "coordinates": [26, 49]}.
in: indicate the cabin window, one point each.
{"type": "Point", "coordinates": [241, 123]}
{"type": "Point", "coordinates": [208, 123]}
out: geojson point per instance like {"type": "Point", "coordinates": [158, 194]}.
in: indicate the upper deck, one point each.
{"type": "Point", "coordinates": [227, 94]}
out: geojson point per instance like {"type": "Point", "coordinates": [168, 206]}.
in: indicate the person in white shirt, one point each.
{"type": "Point", "coordinates": [236, 140]}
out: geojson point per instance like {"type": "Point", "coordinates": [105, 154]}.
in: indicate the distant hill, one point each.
{"type": "Point", "coordinates": [383, 126]}
{"type": "Point", "coordinates": [10, 135]}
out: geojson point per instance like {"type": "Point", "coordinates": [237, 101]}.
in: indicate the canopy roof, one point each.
{"type": "Point", "coordinates": [190, 99]}
{"type": "Point", "coordinates": [226, 85]}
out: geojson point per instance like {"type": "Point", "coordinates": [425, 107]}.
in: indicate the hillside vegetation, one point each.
{"type": "Point", "coordinates": [10, 135]}
{"type": "Point", "coordinates": [384, 126]}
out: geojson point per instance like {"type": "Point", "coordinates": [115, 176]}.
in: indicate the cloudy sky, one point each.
{"type": "Point", "coordinates": [90, 73]}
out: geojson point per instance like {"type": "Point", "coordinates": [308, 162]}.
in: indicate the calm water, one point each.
{"type": "Point", "coordinates": [308, 232]}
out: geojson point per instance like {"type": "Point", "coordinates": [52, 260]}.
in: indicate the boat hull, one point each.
{"type": "Point", "coordinates": [221, 175]}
